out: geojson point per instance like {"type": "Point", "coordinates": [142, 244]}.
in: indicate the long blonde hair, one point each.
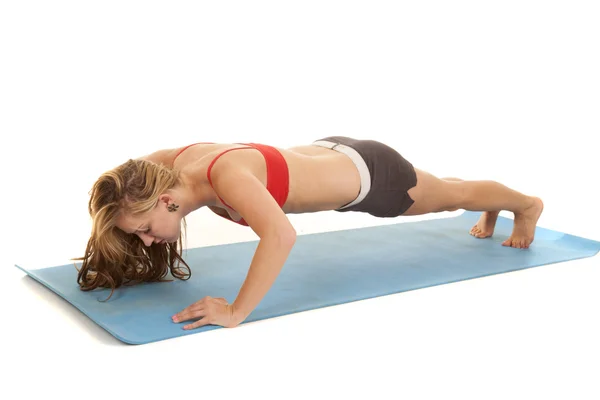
{"type": "Point", "coordinates": [114, 258]}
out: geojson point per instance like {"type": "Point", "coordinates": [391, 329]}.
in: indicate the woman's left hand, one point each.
{"type": "Point", "coordinates": [212, 311]}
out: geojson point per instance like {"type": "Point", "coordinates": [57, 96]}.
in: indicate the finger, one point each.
{"type": "Point", "coordinates": [189, 313]}
{"type": "Point", "coordinates": [189, 310]}
{"type": "Point", "coordinates": [197, 324]}
{"type": "Point", "coordinates": [193, 306]}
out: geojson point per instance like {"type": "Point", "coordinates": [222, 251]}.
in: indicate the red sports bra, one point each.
{"type": "Point", "coordinates": [277, 172]}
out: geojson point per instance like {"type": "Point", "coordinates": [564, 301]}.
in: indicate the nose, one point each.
{"type": "Point", "coordinates": [147, 239]}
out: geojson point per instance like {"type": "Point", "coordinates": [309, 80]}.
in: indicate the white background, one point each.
{"type": "Point", "coordinates": [479, 90]}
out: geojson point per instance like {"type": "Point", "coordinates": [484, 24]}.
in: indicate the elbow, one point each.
{"type": "Point", "coordinates": [288, 237]}
{"type": "Point", "coordinates": [284, 237]}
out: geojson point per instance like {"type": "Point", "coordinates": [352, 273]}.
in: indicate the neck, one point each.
{"type": "Point", "coordinates": [194, 195]}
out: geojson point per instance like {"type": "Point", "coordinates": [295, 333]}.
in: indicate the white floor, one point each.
{"type": "Point", "coordinates": [506, 92]}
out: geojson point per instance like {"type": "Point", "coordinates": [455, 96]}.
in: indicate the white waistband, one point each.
{"type": "Point", "coordinates": [363, 170]}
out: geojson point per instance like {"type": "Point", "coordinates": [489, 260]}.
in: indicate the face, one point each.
{"type": "Point", "coordinates": [156, 226]}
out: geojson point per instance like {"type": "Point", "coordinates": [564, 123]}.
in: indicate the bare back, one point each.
{"type": "Point", "coordinates": [320, 178]}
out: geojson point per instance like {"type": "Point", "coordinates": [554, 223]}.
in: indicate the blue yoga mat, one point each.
{"type": "Point", "coordinates": [323, 269]}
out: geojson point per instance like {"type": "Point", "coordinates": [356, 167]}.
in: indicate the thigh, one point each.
{"type": "Point", "coordinates": [432, 194]}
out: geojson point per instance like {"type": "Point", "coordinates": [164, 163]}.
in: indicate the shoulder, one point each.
{"type": "Point", "coordinates": [178, 157]}
{"type": "Point", "coordinates": [212, 167]}
{"type": "Point", "coordinates": [228, 160]}
{"type": "Point", "coordinates": [240, 189]}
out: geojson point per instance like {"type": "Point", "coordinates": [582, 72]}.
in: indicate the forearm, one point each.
{"type": "Point", "coordinates": [270, 256]}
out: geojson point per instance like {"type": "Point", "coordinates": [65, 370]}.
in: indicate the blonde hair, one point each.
{"type": "Point", "coordinates": [114, 258]}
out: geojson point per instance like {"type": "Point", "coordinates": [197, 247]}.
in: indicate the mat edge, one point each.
{"type": "Point", "coordinates": [32, 275]}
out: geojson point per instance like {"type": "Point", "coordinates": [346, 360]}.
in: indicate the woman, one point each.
{"type": "Point", "coordinates": [138, 208]}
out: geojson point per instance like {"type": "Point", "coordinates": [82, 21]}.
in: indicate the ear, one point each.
{"type": "Point", "coordinates": [165, 199]}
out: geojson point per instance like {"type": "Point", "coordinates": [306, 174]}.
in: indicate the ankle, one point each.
{"type": "Point", "coordinates": [527, 204]}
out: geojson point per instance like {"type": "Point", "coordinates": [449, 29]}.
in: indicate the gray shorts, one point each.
{"type": "Point", "coordinates": [385, 176]}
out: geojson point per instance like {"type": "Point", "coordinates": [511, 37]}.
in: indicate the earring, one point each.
{"type": "Point", "coordinates": [172, 207]}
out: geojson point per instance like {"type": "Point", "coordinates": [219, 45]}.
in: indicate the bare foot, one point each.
{"type": "Point", "coordinates": [524, 225]}
{"type": "Point", "coordinates": [484, 228]}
